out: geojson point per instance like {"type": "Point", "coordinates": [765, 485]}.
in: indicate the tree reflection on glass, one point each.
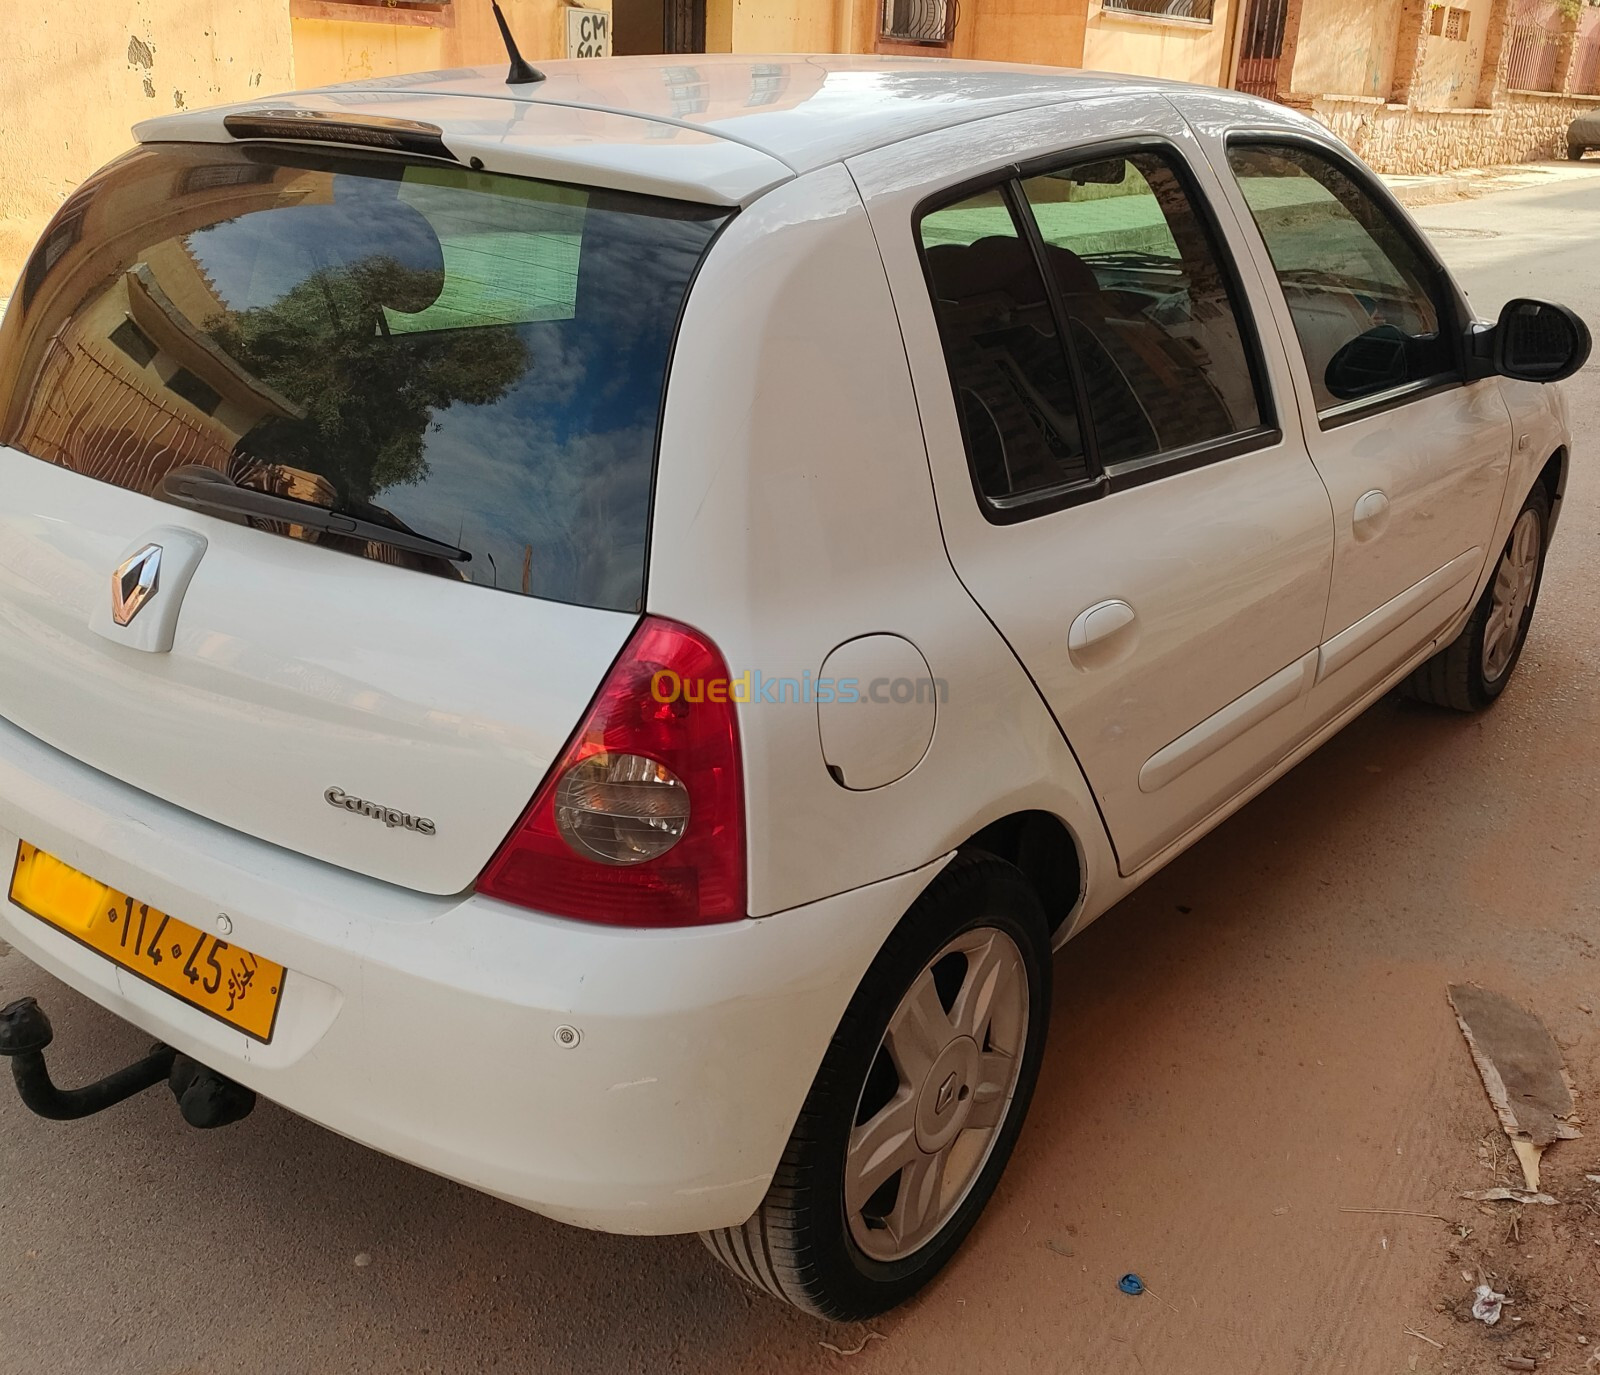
{"type": "Point", "coordinates": [369, 396]}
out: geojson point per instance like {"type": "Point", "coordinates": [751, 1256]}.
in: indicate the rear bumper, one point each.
{"type": "Point", "coordinates": [427, 1027]}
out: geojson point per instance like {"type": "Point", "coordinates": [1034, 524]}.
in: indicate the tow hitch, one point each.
{"type": "Point", "coordinates": [204, 1097]}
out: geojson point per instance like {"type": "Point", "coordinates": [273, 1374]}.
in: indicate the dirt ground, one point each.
{"type": "Point", "coordinates": [1254, 1087]}
{"type": "Point", "coordinates": [1542, 1259]}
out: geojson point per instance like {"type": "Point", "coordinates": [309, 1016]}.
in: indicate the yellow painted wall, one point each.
{"type": "Point", "coordinates": [782, 26]}
{"type": "Point", "coordinates": [1347, 47]}
{"type": "Point", "coordinates": [1115, 42]}
{"type": "Point", "coordinates": [351, 49]}
{"type": "Point", "coordinates": [1452, 68]}
{"type": "Point", "coordinates": [75, 74]}
{"type": "Point", "coordinates": [1043, 31]}
{"type": "Point", "coordinates": [326, 51]}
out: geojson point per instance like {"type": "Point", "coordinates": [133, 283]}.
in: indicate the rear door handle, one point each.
{"type": "Point", "coordinates": [1371, 515]}
{"type": "Point", "coordinates": [1101, 634]}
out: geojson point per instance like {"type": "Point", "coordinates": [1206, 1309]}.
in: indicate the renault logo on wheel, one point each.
{"type": "Point", "coordinates": [134, 583]}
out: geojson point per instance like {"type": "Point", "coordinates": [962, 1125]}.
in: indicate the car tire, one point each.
{"type": "Point", "coordinates": [1575, 154]}
{"type": "Point", "coordinates": [889, 1164]}
{"type": "Point", "coordinates": [1473, 670]}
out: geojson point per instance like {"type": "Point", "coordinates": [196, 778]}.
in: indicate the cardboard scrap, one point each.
{"type": "Point", "coordinates": [1522, 1072]}
{"type": "Point", "coordinates": [1509, 1196]}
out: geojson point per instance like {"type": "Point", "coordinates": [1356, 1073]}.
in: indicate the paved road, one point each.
{"type": "Point", "coordinates": [1255, 1040]}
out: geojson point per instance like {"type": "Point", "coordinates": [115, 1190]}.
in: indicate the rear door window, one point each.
{"type": "Point", "coordinates": [450, 371]}
{"type": "Point", "coordinates": [1093, 329]}
{"type": "Point", "coordinates": [1012, 385]}
{"type": "Point", "coordinates": [1153, 323]}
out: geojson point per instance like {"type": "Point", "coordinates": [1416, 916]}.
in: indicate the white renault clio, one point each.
{"type": "Point", "coordinates": [592, 634]}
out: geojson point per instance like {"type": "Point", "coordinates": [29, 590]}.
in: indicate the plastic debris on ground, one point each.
{"type": "Point", "coordinates": [1486, 1305]}
{"type": "Point", "coordinates": [1131, 1284]}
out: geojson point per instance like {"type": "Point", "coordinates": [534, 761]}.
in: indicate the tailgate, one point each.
{"type": "Point", "coordinates": [389, 425]}
{"type": "Point", "coordinates": [293, 670]}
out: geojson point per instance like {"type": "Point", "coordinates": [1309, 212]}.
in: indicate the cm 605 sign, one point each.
{"type": "Point", "coordinates": [588, 33]}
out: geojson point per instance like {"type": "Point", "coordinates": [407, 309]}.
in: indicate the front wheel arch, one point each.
{"type": "Point", "coordinates": [1459, 676]}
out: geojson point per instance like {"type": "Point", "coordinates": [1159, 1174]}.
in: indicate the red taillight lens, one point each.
{"type": "Point", "coordinates": [641, 821]}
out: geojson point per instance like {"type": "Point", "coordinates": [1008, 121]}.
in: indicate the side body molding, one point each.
{"type": "Point", "coordinates": [1222, 728]}
{"type": "Point", "coordinates": [1444, 582]}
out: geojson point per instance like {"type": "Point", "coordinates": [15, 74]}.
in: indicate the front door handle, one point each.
{"type": "Point", "coordinates": [1102, 634]}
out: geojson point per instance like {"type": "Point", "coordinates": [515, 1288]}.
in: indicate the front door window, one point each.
{"type": "Point", "coordinates": [1365, 302]}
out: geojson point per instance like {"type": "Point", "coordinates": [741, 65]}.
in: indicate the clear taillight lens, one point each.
{"type": "Point", "coordinates": [641, 820]}
{"type": "Point", "coordinates": [621, 808]}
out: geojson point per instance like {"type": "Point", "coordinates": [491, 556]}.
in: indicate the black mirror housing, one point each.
{"type": "Point", "coordinates": [1371, 362]}
{"type": "Point", "coordinates": [1536, 341]}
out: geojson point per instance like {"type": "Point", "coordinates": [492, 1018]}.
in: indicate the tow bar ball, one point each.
{"type": "Point", "coordinates": [204, 1097]}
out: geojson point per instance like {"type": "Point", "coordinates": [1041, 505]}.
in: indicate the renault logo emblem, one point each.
{"type": "Point", "coordinates": [134, 583]}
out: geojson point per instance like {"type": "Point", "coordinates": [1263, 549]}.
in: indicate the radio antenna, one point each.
{"type": "Point", "coordinates": [521, 74]}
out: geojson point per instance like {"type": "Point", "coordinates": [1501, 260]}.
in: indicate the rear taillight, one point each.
{"type": "Point", "coordinates": [641, 821]}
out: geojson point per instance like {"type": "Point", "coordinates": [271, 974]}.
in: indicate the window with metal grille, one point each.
{"type": "Point", "coordinates": [215, 176]}
{"type": "Point", "coordinates": [1536, 47]}
{"type": "Point", "coordinates": [1197, 10]}
{"type": "Point", "coordinates": [919, 21]}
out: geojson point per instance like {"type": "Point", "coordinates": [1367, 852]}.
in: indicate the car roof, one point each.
{"type": "Point", "coordinates": [718, 128]}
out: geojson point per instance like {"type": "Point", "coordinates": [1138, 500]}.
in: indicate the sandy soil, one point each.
{"type": "Point", "coordinates": [1247, 1058]}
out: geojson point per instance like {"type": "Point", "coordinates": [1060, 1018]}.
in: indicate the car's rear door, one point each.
{"type": "Point", "coordinates": [1135, 511]}
{"type": "Point", "coordinates": [1415, 458]}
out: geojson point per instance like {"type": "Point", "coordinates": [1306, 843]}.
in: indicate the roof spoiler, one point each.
{"type": "Point", "coordinates": [321, 126]}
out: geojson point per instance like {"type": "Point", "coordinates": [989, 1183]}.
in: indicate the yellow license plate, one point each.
{"type": "Point", "coordinates": [230, 984]}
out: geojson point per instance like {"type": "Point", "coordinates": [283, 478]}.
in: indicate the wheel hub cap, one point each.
{"type": "Point", "coordinates": [945, 1102]}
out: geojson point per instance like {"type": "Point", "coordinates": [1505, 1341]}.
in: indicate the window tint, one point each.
{"type": "Point", "coordinates": [1153, 325]}
{"type": "Point", "coordinates": [1012, 385]}
{"type": "Point", "coordinates": [1357, 290]}
{"type": "Point", "coordinates": [335, 347]}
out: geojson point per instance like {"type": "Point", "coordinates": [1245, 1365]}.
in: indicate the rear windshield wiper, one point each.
{"type": "Point", "coordinates": [205, 489]}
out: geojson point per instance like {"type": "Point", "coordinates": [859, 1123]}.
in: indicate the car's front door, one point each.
{"type": "Point", "coordinates": [1121, 473]}
{"type": "Point", "coordinates": [1414, 459]}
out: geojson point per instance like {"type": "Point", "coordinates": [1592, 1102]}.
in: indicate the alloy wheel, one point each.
{"type": "Point", "coordinates": [1514, 583]}
{"type": "Point", "coordinates": [940, 1087]}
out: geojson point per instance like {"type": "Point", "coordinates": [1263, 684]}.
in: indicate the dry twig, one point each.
{"type": "Point", "coordinates": [855, 1350]}
{"type": "Point", "coordinates": [1423, 1336]}
{"type": "Point", "coordinates": [1397, 1212]}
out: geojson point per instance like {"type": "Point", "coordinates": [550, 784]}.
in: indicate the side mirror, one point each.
{"type": "Point", "coordinates": [1371, 362]}
{"type": "Point", "coordinates": [1539, 342]}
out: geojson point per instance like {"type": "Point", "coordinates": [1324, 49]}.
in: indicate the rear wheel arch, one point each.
{"type": "Point", "coordinates": [810, 1242]}
{"type": "Point", "coordinates": [1048, 853]}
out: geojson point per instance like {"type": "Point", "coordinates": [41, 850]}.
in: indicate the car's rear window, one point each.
{"type": "Point", "coordinates": [473, 362]}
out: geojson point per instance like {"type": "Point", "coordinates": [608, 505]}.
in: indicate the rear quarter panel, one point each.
{"type": "Point", "coordinates": [794, 511]}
